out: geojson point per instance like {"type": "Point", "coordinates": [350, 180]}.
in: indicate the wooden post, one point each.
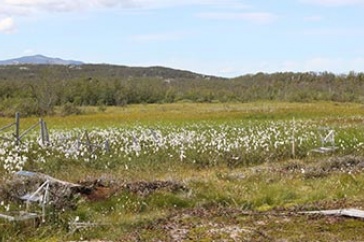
{"type": "Point", "coordinates": [42, 134]}
{"type": "Point", "coordinates": [293, 139]}
{"type": "Point", "coordinates": [17, 128]}
{"type": "Point", "coordinates": [46, 134]}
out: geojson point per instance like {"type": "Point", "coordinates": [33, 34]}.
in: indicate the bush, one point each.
{"type": "Point", "coordinates": [70, 109]}
{"type": "Point", "coordinates": [26, 107]}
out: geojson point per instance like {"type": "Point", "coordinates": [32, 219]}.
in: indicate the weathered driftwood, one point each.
{"type": "Point", "coordinates": [350, 212]}
{"type": "Point", "coordinates": [19, 216]}
{"type": "Point", "coordinates": [45, 177]}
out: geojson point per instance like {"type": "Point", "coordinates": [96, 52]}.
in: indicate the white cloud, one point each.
{"type": "Point", "coordinates": [29, 8]}
{"type": "Point", "coordinates": [7, 10]}
{"type": "Point", "coordinates": [7, 25]}
{"type": "Point", "coordinates": [27, 2]}
{"type": "Point", "coordinates": [45, 5]}
{"type": "Point", "coordinates": [334, 3]}
{"type": "Point", "coordinates": [169, 3]}
{"type": "Point", "coordinates": [255, 17]}
{"type": "Point", "coordinates": [111, 3]}
{"type": "Point", "coordinates": [76, 5]}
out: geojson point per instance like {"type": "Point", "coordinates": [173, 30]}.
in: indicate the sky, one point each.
{"type": "Point", "coordinates": [225, 38]}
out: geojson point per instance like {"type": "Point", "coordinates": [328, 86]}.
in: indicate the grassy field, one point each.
{"type": "Point", "coordinates": [194, 112]}
{"type": "Point", "coordinates": [194, 172]}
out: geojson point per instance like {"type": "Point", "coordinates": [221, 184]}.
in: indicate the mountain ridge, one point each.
{"type": "Point", "coordinates": [39, 60]}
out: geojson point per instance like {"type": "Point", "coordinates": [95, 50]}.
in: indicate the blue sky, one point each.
{"type": "Point", "coordinates": [225, 38]}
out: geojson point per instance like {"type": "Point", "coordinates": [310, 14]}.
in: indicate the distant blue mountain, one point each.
{"type": "Point", "coordinates": [39, 60]}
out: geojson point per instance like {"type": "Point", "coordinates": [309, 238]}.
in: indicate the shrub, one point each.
{"type": "Point", "coordinates": [69, 109]}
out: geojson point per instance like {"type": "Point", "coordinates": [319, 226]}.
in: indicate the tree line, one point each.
{"type": "Point", "coordinates": [38, 89]}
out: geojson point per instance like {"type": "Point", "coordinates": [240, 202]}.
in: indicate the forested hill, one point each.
{"type": "Point", "coordinates": [38, 89]}
{"type": "Point", "coordinates": [102, 71]}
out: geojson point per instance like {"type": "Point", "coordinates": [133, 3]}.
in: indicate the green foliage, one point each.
{"type": "Point", "coordinates": [25, 106]}
{"type": "Point", "coordinates": [50, 86]}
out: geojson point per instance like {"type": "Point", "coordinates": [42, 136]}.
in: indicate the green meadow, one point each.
{"type": "Point", "coordinates": [195, 172]}
{"type": "Point", "coordinates": [194, 112]}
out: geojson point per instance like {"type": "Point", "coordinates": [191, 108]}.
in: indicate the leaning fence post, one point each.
{"type": "Point", "coordinates": [17, 127]}
{"type": "Point", "coordinates": [44, 132]}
